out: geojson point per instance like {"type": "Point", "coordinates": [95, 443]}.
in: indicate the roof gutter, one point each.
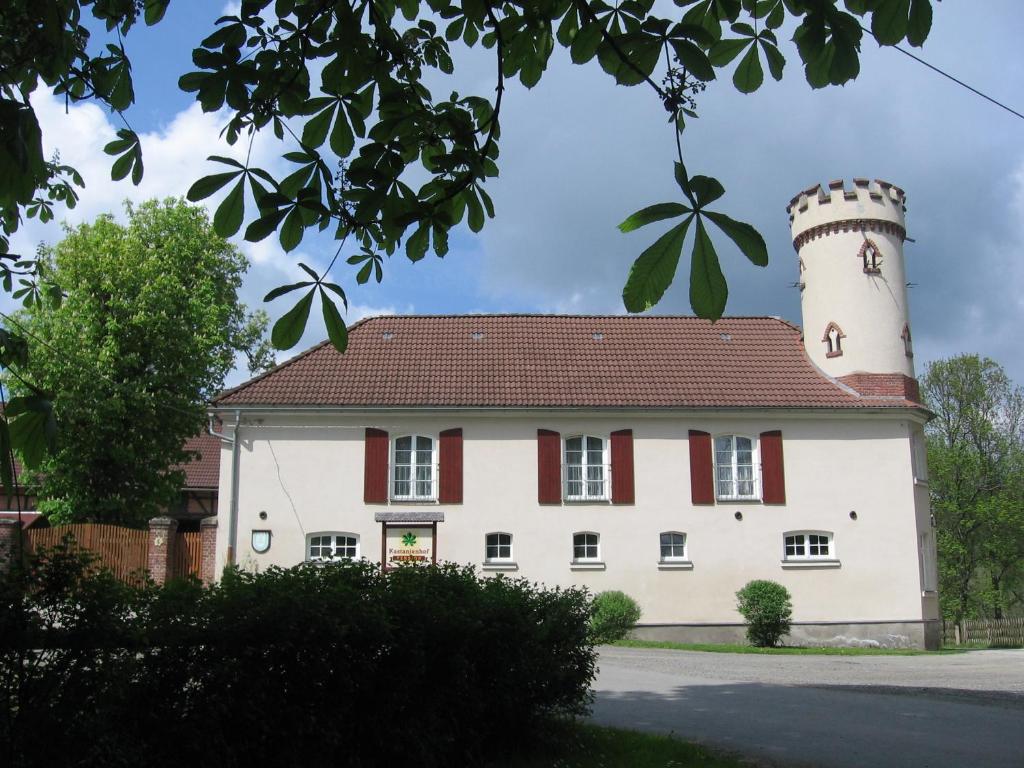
{"type": "Point", "coordinates": [233, 440]}
{"type": "Point", "coordinates": [744, 411]}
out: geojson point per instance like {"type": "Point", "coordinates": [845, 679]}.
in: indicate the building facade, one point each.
{"type": "Point", "coordinates": [668, 457]}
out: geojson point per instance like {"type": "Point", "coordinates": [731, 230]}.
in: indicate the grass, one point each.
{"type": "Point", "coordinates": [583, 745]}
{"type": "Point", "coordinates": [782, 651]}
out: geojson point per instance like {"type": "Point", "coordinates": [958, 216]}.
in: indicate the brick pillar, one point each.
{"type": "Point", "coordinates": [9, 531]}
{"type": "Point", "coordinates": [208, 544]}
{"type": "Point", "coordinates": [160, 555]}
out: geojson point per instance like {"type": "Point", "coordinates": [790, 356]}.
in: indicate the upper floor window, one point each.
{"type": "Point", "coordinates": [325, 547]}
{"type": "Point", "coordinates": [498, 547]}
{"type": "Point", "coordinates": [735, 475]}
{"type": "Point", "coordinates": [833, 339]}
{"type": "Point", "coordinates": [808, 545]}
{"type": "Point", "coordinates": [908, 342]}
{"type": "Point", "coordinates": [414, 474]}
{"type": "Point", "coordinates": [586, 468]}
{"type": "Point", "coordinates": [871, 257]}
{"type": "Point", "coordinates": [586, 547]}
{"type": "Point", "coordinates": [673, 546]}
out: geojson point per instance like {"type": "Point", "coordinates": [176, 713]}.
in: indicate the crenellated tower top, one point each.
{"type": "Point", "coordinates": [871, 206]}
{"type": "Point", "coordinates": [852, 277]}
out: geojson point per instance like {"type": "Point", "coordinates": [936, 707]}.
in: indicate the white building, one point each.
{"type": "Point", "coordinates": [668, 457]}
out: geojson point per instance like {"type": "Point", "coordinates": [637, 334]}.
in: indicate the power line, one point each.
{"type": "Point", "coordinates": [961, 83]}
{"type": "Point", "coordinates": [948, 76]}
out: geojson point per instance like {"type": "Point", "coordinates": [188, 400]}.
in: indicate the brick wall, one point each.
{"type": "Point", "coordinates": [884, 385]}
{"type": "Point", "coordinates": [9, 531]}
{"type": "Point", "coordinates": [159, 560]}
{"type": "Point", "coordinates": [208, 541]}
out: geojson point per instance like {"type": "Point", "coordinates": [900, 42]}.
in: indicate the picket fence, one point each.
{"type": "Point", "coordinates": [994, 633]}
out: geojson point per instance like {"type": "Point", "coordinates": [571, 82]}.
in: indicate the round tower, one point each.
{"type": "Point", "coordinates": [853, 288]}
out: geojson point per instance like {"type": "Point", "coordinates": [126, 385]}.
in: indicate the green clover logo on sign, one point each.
{"type": "Point", "coordinates": [409, 540]}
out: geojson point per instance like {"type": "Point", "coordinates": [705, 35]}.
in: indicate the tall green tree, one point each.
{"type": "Point", "coordinates": [149, 326]}
{"type": "Point", "coordinates": [975, 465]}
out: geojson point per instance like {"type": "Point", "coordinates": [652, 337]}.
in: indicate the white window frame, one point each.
{"type": "Point", "coordinates": [596, 559]}
{"type": "Point", "coordinates": [334, 535]}
{"type": "Point", "coordinates": [488, 545]}
{"type": "Point", "coordinates": [671, 558]}
{"type": "Point", "coordinates": [606, 468]}
{"type": "Point", "coordinates": [673, 562]}
{"type": "Point", "coordinates": [755, 467]}
{"type": "Point", "coordinates": [393, 467]}
{"type": "Point", "coordinates": [807, 559]}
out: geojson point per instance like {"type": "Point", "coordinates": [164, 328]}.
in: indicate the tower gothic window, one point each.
{"type": "Point", "coordinates": [908, 346]}
{"type": "Point", "coordinates": [833, 340]}
{"type": "Point", "coordinates": [871, 257]}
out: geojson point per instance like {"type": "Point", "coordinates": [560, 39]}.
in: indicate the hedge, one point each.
{"type": "Point", "coordinates": [338, 664]}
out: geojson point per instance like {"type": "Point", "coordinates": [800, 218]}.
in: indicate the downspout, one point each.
{"type": "Point", "coordinates": [233, 506]}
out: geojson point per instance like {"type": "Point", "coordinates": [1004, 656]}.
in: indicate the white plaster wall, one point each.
{"type": "Point", "coordinates": [306, 472]}
{"type": "Point", "coordinates": [870, 309]}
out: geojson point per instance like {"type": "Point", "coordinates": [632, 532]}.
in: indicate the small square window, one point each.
{"type": "Point", "coordinates": [498, 547]}
{"type": "Point", "coordinates": [585, 546]}
{"type": "Point", "coordinates": [673, 546]}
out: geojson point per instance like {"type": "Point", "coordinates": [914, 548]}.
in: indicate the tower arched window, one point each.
{"type": "Point", "coordinates": [908, 345]}
{"type": "Point", "coordinates": [871, 257]}
{"type": "Point", "coordinates": [833, 340]}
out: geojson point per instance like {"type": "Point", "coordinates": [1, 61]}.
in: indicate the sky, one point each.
{"type": "Point", "coordinates": [579, 153]}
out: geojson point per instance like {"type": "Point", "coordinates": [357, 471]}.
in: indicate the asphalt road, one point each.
{"type": "Point", "coordinates": [843, 711]}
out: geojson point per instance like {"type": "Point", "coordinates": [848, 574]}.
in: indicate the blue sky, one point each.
{"type": "Point", "coordinates": [579, 153]}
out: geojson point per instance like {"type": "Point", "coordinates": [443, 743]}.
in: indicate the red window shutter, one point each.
{"type": "Point", "coordinates": [450, 471]}
{"type": "Point", "coordinates": [702, 468]}
{"type": "Point", "coordinates": [773, 474]}
{"type": "Point", "coordinates": [622, 467]}
{"type": "Point", "coordinates": [549, 467]}
{"type": "Point", "coordinates": [375, 470]}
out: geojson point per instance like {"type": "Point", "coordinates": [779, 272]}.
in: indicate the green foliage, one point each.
{"type": "Point", "coordinates": [284, 667]}
{"type": "Point", "coordinates": [342, 85]}
{"type": "Point", "coordinates": [615, 614]}
{"type": "Point", "coordinates": [149, 328]}
{"type": "Point", "coordinates": [976, 482]}
{"type": "Point", "coordinates": [766, 607]}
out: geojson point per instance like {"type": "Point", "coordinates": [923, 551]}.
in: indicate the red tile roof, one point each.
{"type": "Point", "coordinates": [203, 472]}
{"type": "Point", "coordinates": [557, 361]}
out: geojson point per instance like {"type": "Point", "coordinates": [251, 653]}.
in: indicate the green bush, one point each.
{"type": "Point", "coordinates": [767, 608]}
{"type": "Point", "coordinates": [615, 614]}
{"type": "Point", "coordinates": [338, 664]}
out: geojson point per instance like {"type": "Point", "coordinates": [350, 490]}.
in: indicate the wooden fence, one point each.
{"type": "Point", "coordinates": [122, 550]}
{"type": "Point", "coordinates": [188, 555]}
{"type": "Point", "coordinates": [994, 633]}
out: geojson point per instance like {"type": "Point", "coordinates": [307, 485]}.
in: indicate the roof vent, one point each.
{"type": "Point", "coordinates": [388, 335]}
{"type": "Point", "coordinates": [598, 336]}
{"type": "Point", "coordinates": [477, 335]}
{"type": "Point", "coordinates": [725, 336]}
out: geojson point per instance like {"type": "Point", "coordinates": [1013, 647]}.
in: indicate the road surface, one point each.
{"type": "Point", "coordinates": [842, 711]}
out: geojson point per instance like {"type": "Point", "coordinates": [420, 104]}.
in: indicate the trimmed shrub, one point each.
{"type": "Point", "coordinates": [338, 662]}
{"type": "Point", "coordinates": [615, 614]}
{"type": "Point", "coordinates": [767, 608]}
